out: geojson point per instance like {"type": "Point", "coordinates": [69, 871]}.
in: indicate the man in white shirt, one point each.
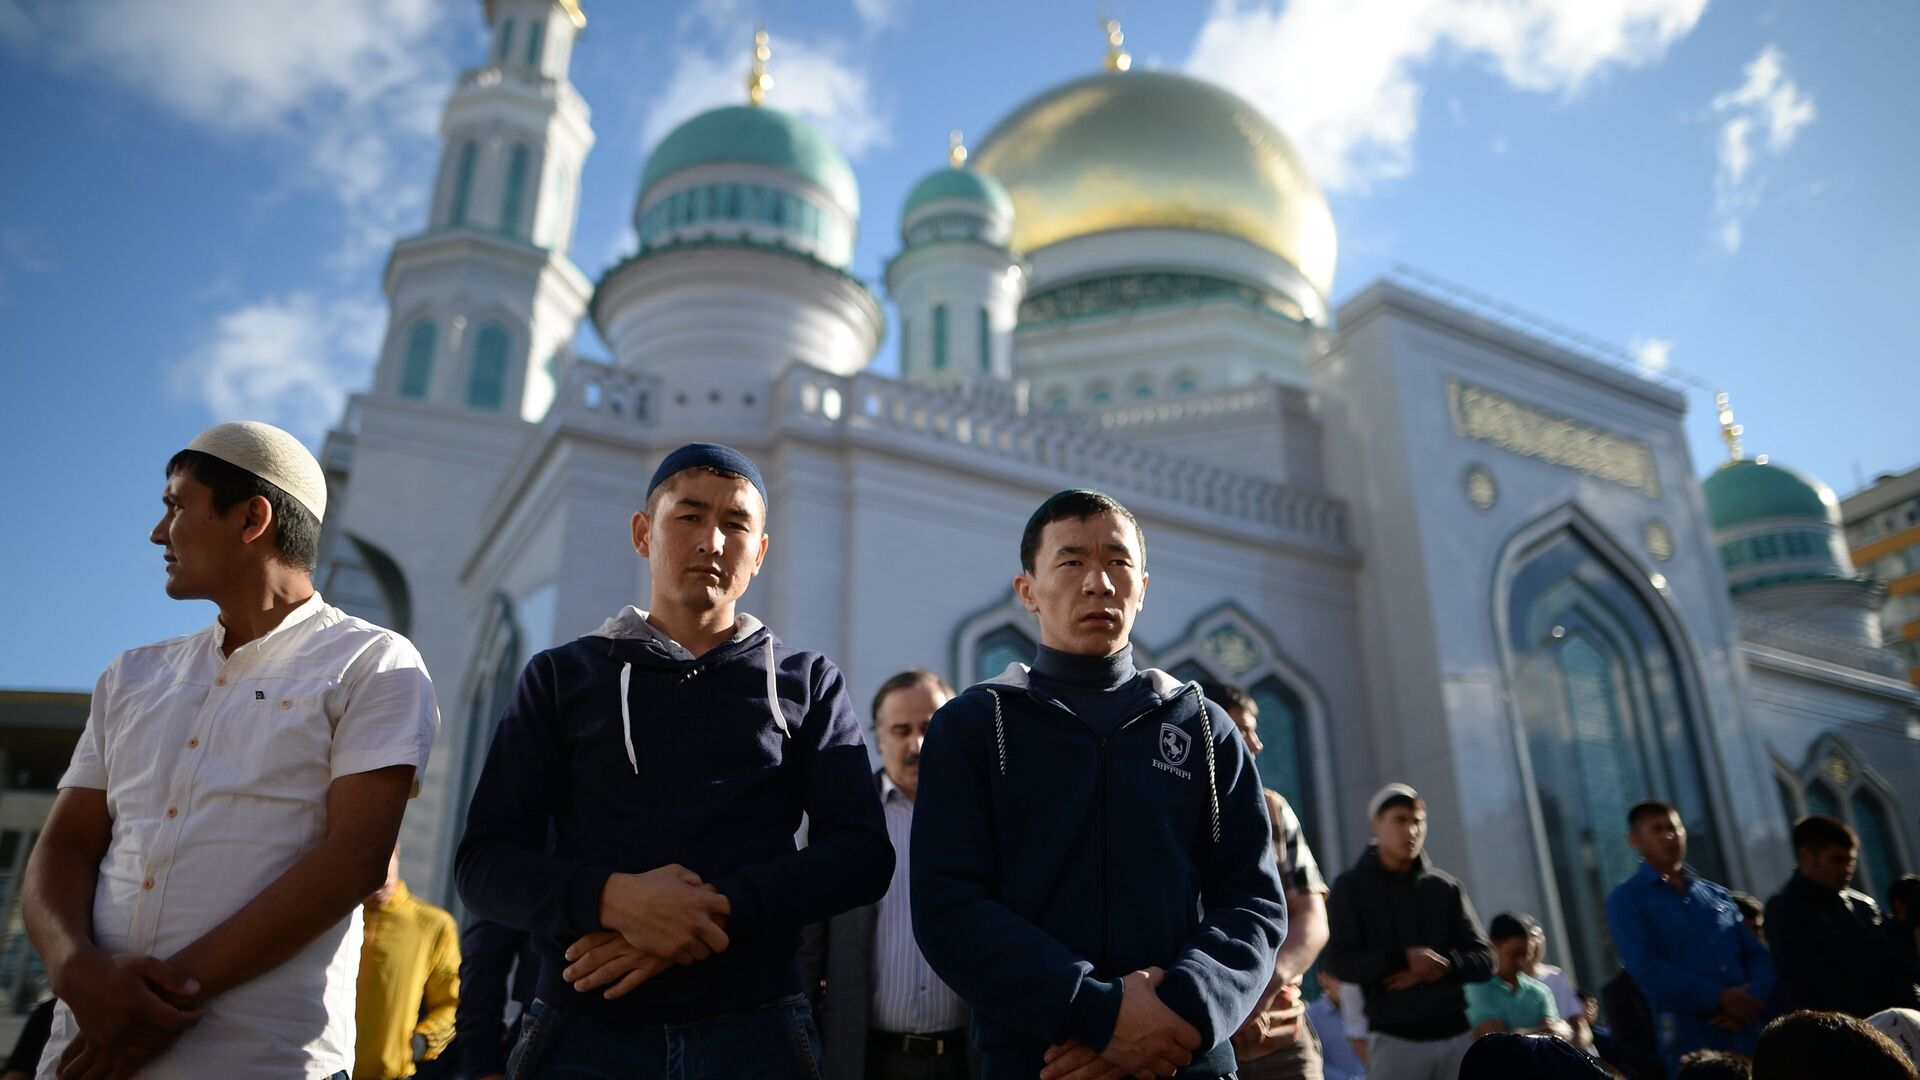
{"type": "Point", "coordinates": [883, 1013]}
{"type": "Point", "coordinates": [196, 891]}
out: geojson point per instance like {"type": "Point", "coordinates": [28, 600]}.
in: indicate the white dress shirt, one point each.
{"type": "Point", "coordinates": [908, 997]}
{"type": "Point", "coordinates": [216, 772]}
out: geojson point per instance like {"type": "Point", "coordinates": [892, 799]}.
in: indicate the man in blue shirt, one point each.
{"type": "Point", "coordinates": [1684, 942]}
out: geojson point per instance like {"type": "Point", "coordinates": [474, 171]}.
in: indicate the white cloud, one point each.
{"type": "Point", "coordinates": [285, 360]}
{"type": "Point", "coordinates": [351, 87]}
{"type": "Point", "coordinates": [1342, 77]}
{"type": "Point", "coordinates": [814, 81]}
{"type": "Point", "coordinates": [877, 14]}
{"type": "Point", "coordinates": [1652, 354]}
{"type": "Point", "coordinates": [1763, 116]}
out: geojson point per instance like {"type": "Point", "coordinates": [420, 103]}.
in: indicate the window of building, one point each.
{"type": "Point", "coordinates": [416, 371]}
{"type": "Point", "coordinates": [516, 191]}
{"type": "Point", "coordinates": [1000, 647]}
{"type": "Point", "coordinates": [487, 381]}
{"type": "Point", "coordinates": [986, 341]}
{"type": "Point", "coordinates": [506, 41]}
{"type": "Point", "coordinates": [1879, 861]}
{"type": "Point", "coordinates": [463, 184]}
{"type": "Point", "coordinates": [1143, 390]}
{"type": "Point", "coordinates": [533, 44]}
{"type": "Point", "coordinates": [940, 337]}
{"type": "Point", "coordinates": [1100, 395]}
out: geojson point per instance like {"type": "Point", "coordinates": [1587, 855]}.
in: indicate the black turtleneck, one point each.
{"type": "Point", "coordinates": [1105, 691]}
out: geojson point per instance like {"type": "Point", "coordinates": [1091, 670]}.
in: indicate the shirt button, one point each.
{"type": "Point", "coordinates": [173, 811]}
{"type": "Point", "coordinates": [221, 681]}
{"type": "Point", "coordinates": [286, 703]}
{"type": "Point", "coordinates": [147, 884]}
{"type": "Point", "coordinates": [193, 743]}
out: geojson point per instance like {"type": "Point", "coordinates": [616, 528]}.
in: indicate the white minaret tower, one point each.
{"type": "Point", "coordinates": [484, 303]}
{"type": "Point", "coordinates": [957, 285]}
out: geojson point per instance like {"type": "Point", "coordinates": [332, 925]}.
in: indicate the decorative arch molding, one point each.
{"type": "Point", "coordinates": [1836, 764]}
{"type": "Point", "coordinates": [979, 627]}
{"type": "Point", "coordinates": [364, 568]}
{"type": "Point", "coordinates": [1522, 546]}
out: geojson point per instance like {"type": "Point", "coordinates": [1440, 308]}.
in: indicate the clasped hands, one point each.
{"type": "Point", "coordinates": [1149, 1040]}
{"type": "Point", "coordinates": [130, 1009]}
{"type": "Point", "coordinates": [1738, 1008]}
{"type": "Point", "coordinates": [654, 920]}
{"type": "Point", "coordinates": [1423, 966]}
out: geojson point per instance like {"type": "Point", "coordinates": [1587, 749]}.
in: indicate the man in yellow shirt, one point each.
{"type": "Point", "coordinates": [409, 982]}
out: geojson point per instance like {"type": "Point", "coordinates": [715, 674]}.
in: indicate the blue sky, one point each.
{"type": "Point", "coordinates": [198, 197]}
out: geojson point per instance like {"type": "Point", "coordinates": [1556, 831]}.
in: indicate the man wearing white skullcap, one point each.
{"type": "Point", "coordinates": [196, 892]}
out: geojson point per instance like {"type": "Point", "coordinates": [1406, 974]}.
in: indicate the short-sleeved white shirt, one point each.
{"type": "Point", "coordinates": [216, 772]}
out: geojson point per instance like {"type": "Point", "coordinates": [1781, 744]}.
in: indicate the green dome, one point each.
{"type": "Point", "coordinates": [1743, 491]}
{"type": "Point", "coordinates": [754, 135]}
{"type": "Point", "coordinates": [960, 183]}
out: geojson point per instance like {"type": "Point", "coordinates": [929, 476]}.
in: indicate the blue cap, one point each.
{"type": "Point", "coordinates": [706, 455]}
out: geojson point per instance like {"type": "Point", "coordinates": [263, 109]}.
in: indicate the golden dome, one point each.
{"type": "Point", "coordinates": [1148, 149]}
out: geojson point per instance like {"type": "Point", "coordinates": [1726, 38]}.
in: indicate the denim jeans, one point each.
{"type": "Point", "coordinates": [776, 1041]}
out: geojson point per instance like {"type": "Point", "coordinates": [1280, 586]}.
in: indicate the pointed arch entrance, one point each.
{"type": "Point", "coordinates": [1607, 713]}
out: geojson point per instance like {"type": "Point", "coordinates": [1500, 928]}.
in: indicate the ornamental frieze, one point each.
{"type": "Point", "coordinates": [1498, 420]}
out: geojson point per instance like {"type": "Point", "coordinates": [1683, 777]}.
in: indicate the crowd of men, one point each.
{"type": "Point", "coordinates": [681, 864]}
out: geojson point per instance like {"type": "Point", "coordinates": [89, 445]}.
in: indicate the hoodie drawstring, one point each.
{"type": "Point", "coordinates": [626, 716]}
{"type": "Point", "coordinates": [1213, 782]}
{"type": "Point", "coordinates": [773, 693]}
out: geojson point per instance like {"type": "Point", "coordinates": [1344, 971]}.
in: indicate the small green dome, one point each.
{"type": "Point", "coordinates": [755, 135]}
{"type": "Point", "coordinates": [960, 183]}
{"type": "Point", "coordinates": [1743, 491]}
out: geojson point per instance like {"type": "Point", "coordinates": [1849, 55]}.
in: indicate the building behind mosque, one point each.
{"type": "Point", "coordinates": [1438, 543]}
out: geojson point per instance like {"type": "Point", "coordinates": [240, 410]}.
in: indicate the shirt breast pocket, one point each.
{"type": "Point", "coordinates": [275, 739]}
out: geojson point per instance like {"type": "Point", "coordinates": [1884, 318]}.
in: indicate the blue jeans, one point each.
{"type": "Point", "coordinates": [776, 1041]}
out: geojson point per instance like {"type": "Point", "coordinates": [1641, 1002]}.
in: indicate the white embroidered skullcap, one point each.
{"type": "Point", "coordinates": [270, 454]}
{"type": "Point", "coordinates": [1390, 791]}
{"type": "Point", "coordinates": [1903, 1027]}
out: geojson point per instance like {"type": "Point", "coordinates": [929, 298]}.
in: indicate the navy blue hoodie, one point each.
{"type": "Point", "coordinates": [641, 755]}
{"type": "Point", "coordinates": [1048, 862]}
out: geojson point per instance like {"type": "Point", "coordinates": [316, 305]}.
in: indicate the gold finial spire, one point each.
{"type": "Point", "coordinates": [956, 148]}
{"type": "Point", "coordinates": [1730, 432]}
{"type": "Point", "coordinates": [1118, 59]}
{"type": "Point", "coordinates": [760, 80]}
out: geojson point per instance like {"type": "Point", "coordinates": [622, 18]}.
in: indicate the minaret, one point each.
{"type": "Point", "coordinates": [957, 285]}
{"type": "Point", "coordinates": [484, 304]}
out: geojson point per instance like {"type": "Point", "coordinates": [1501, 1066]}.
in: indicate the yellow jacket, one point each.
{"type": "Point", "coordinates": [409, 985]}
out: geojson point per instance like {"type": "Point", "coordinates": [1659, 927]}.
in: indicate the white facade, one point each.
{"type": "Point", "coordinates": [1445, 550]}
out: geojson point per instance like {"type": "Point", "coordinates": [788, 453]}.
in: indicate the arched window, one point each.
{"type": "Point", "coordinates": [906, 339]}
{"type": "Point", "coordinates": [1599, 690]}
{"type": "Point", "coordinates": [487, 381]}
{"type": "Point", "coordinates": [516, 191]}
{"type": "Point", "coordinates": [506, 41]}
{"type": "Point", "coordinates": [1822, 800]}
{"type": "Point", "coordinates": [463, 184]}
{"type": "Point", "coordinates": [940, 337]}
{"type": "Point", "coordinates": [1000, 647]}
{"type": "Point", "coordinates": [986, 341]}
{"type": "Point", "coordinates": [1100, 395]}
{"type": "Point", "coordinates": [416, 371]}
{"type": "Point", "coordinates": [1143, 390]}
{"type": "Point", "coordinates": [362, 580]}
{"type": "Point", "coordinates": [533, 45]}
{"type": "Point", "coordinates": [1286, 751]}
{"type": "Point", "coordinates": [1877, 854]}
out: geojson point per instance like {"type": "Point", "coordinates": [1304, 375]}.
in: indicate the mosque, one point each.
{"type": "Point", "coordinates": [1439, 544]}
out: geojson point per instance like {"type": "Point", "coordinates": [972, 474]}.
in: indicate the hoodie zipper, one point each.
{"type": "Point", "coordinates": [1101, 795]}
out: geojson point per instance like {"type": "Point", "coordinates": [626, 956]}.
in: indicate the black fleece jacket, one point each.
{"type": "Point", "coordinates": [1375, 915]}
{"type": "Point", "coordinates": [689, 765]}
